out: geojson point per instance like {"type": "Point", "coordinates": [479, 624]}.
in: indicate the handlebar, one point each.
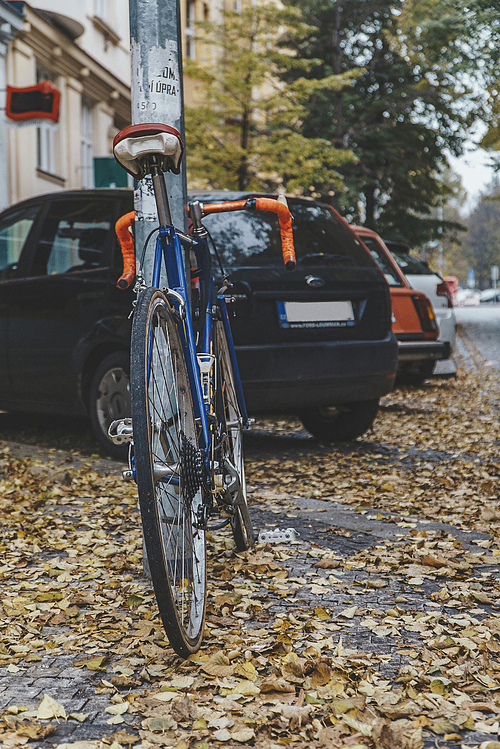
{"type": "Point", "coordinates": [126, 241]}
{"type": "Point", "coordinates": [263, 204]}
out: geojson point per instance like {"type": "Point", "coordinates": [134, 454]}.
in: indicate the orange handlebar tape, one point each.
{"type": "Point", "coordinates": [127, 247]}
{"type": "Point", "coordinates": [285, 221]}
{"type": "Point", "coordinates": [264, 204]}
{"type": "Point", "coordinates": [234, 205]}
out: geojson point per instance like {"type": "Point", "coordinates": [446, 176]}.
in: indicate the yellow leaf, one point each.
{"type": "Point", "coordinates": [243, 735]}
{"type": "Point", "coordinates": [437, 687]}
{"type": "Point", "coordinates": [274, 684]}
{"type": "Point", "coordinates": [182, 682]}
{"type": "Point", "coordinates": [49, 708]}
{"type": "Point", "coordinates": [118, 709]}
{"type": "Point", "coordinates": [321, 675]}
{"type": "Point", "coordinates": [199, 724]}
{"type": "Point", "coordinates": [442, 726]}
{"type": "Point", "coordinates": [246, 688]}
{"type": "Point", "coordinates": [321, 613]}
{"type": "Point", "coordinates": [349, 613]}
{"type": "Point", "coordinates": [247, 670]}
{"type": "Point", "coordinates": [164, 696]}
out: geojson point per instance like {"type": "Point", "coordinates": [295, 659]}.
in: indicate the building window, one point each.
{"type": "Point", "coordinates": [190, 22]}
{"type": "Point", "coordinates": [45, 149]}
{"type": "Point", "coordinates": [46, 132]}
{"type": "Point", "coordinates": [87, 151]}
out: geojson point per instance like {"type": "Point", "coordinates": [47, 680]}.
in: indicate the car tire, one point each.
{"type": "Point", "coordinates": [425, 371]}
{"type": "Point", "coordinates": [340, 423]}
{"type": "Point", "coordinates": [110, 399]}
{"type": "Point", "coordinates": [417, 374]}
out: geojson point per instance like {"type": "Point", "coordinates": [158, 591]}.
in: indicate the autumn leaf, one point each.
{"type": "Point", "coordinates": [50, 708]}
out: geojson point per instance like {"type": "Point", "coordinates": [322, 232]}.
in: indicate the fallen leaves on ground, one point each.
{"type": "Point", "coordinates": [297, 650]}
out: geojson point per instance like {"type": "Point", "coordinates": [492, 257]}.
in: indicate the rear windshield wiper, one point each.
{"type": "Point", "coordinates": [316, 258]}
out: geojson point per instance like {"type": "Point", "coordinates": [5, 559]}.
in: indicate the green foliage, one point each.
{"type": "Point", "coordinates": [481, 245]}
{"type": "Point", "coordinates": [247, 131]}
{"type": "Point", "coordinates": [412, 103]}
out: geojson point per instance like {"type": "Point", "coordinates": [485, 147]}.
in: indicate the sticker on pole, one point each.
{"type": "Point", "coordinates": [156, 84]}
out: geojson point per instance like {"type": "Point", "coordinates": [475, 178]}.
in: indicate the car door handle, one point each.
{"type": "Point", "coordinates": [88, 295]}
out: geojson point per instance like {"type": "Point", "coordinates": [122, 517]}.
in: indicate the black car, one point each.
{"type": "Point", "coordinates": [316, 341]}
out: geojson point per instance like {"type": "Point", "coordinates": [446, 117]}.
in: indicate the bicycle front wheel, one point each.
{"type": "Point", "coordinates": [241, 523]}
{"type": "Point", "coordinates": [168, 471]}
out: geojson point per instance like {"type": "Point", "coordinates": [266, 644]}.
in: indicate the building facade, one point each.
{"type": "Point", "coordinates": [86, 56]}
{"type": "Point", "coordinates": [83, 48]}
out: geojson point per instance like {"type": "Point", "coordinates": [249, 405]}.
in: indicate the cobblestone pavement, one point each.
{"type": "Point", "coordinates": [327, 524]}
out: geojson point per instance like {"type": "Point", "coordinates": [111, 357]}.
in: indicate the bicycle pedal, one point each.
{"type": "Point", "coordinates": [120, 432]}
{"type": "Point", "coordinates": [278, 536]}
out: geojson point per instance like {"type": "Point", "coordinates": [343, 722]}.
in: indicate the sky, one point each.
{"type": "Point", "coordinates": [475, 173]}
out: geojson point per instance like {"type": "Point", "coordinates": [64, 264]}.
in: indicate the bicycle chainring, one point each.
{"type": "Point", "coordinates": [191, 468]}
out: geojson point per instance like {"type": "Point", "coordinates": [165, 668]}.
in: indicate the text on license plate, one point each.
{"type": "Point", "coordinates": [315, 314]}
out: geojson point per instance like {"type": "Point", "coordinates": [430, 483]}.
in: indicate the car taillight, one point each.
{"type": "Point", "coordinates": [442, 289]}
{"type": "Point", "coordinates": [425, 314]}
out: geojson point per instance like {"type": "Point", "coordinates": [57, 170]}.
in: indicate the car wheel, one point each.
{"type": "Point", "coordinates": [338, 423]}
{"type": "Point", "coordinates": [110, 399]}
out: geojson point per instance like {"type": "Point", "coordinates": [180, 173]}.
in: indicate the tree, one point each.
{"type": "Point", "coordinates": [247, 131]}
{"type": "Point", "coordinates": [481, 245]}
{"type": "Point", "coordinates": [399, 117]}
{"type": "Point", "coordinates": [447, 254]}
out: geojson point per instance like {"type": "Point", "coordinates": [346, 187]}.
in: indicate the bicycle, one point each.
{"type": "Point", "coordinates": [188, 409]}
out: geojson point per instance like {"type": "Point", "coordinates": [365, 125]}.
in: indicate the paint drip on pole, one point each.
{"type": "Point", "coordinates": [157, 96]}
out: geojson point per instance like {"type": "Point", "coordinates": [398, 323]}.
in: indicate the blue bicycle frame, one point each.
{"type": "Point", "coordinates": [169, 249]}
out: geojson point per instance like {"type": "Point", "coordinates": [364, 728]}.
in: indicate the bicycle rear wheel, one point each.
{"type": "Point", "coordinates": [241, 524]}
{"type": "Point", "coordinates": [168, 471]}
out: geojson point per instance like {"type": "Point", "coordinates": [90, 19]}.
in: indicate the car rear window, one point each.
{"type": "Point", "coordinates": [382, 261]}
{"type": "Point", "coordinates": [74, 237]}
{"type": "Point", "coordinates": [406, 262]}
{"type": "Point", "coordinates": [250, 239]}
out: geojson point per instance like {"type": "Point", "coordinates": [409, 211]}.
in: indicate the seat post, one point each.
{"type": "Point", "coordinates": [161, 197]}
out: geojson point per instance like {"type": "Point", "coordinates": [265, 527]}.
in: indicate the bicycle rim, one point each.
{"type": "Point", "coordinates": [168, 471]}
{"type": "Point", "coordinates": [241, 523]}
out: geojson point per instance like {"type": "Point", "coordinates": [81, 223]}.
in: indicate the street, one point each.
{"type": "Point", "coordinates": [481, 325]}
{"type": "Point", "coordinates": [378, 627]}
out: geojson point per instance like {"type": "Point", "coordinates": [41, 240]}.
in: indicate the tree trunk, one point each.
{"type": "Point", "coordinates": [243, 167]}
{"type": "Point", "coordinates": [369, 193]}
{"type": "Point", "coordinates": [337, 69]}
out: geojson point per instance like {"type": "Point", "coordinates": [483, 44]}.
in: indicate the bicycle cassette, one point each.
{"type": "Point", "coordinates": [191, 468]}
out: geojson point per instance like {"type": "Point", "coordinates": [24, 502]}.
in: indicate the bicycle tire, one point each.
{"type": "Point", "coordinates": [241, 524]}
{"type": "Point", "coordinates": [163, 423]}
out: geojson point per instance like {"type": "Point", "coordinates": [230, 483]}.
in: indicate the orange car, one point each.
{"type": "Point", "coordinates": [413, 320]}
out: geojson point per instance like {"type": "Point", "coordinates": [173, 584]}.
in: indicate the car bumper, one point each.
{"type": "Point", "coordinates": [447, 324]}
{"type": "Point", "coordinates": [289, 377]}
{"type": "Point", "coordinates": [410, 351]}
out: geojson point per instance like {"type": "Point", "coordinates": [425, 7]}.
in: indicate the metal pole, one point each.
{"type": "Point", "coordinates": [157, 96]}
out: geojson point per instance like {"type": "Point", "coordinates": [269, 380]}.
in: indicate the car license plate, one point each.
{"type": "Point", "coordinates": [315, 314]}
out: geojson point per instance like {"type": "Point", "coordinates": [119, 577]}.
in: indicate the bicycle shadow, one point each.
{"type": "Point", "coordinates": [293, 440]}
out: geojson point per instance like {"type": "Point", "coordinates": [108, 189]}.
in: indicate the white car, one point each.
{"type": "Point", "coordinates": [422, 278]}
{"type": "Point", "coordinates": [466, 298]}
{"type": "Point", "coordinates": [491, 296]}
